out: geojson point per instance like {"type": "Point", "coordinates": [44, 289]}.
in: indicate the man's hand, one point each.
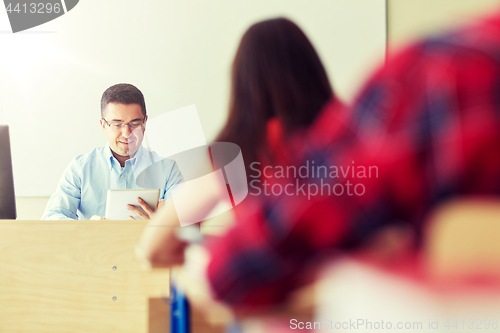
{"type": "Point", "coordinates": [148, 211]}
{"type": "Point", "coordinates": [97, 217]}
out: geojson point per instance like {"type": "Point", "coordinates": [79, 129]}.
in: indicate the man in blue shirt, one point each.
{"type": "Point", "coordinates": [82, 189]}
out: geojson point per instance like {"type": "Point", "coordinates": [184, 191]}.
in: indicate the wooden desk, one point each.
{"type": "Point", "coordinates": [77, 276]}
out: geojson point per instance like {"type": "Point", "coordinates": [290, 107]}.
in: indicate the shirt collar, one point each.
{"type": "Point", "coordinates": [138, 156]}
{"type": "Point", "coordinates": [109, 155]}
{"type": "Point", "coordinates": [111, 159]}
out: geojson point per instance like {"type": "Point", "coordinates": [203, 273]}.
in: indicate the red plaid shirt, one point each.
{"type": "Point", "coordinates": [427, 126]}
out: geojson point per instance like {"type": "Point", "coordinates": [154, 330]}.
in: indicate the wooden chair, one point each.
{"type": "Point", "coordinates": [463, 240]}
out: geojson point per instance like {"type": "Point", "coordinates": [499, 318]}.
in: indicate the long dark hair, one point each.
{"type": "Point", "coordinates": [276, 73]}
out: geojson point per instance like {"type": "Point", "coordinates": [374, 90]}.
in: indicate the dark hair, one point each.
{"type": "Point", "coordinates": [276, 73]}
{"type": "Point", "coordinates": [123, 93]}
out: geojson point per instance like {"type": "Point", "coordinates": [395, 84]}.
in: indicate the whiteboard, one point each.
{"type": "Point", "coordinates": [178, 52]}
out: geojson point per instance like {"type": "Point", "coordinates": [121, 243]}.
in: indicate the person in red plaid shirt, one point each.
{"type": "Point", "coordinates": [425, 129]}
{"type": "Point", "coordinates": [428, 122]}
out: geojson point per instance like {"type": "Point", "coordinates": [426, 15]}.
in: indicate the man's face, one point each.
{"type": "Point", "coordinates": [123, 140]}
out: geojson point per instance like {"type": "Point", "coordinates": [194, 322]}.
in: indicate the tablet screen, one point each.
{"type": "Point", "coordinates": [117, 201]}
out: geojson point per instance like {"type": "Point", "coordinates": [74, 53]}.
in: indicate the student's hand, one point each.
{"type": "Point", "coordinates": [159, 245]}
{"type": "Point", "coordinates": [148, 211]}
{"type": "Point", "coordinates": [168, 253]}
{"type": "Point", "coordinates": [97, 217]}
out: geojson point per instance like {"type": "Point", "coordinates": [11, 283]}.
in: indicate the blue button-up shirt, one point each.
{"type": "Point", "coordinates": [82, 189]}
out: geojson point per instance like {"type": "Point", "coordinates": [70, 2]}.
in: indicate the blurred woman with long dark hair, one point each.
{"type": "Point", "coordinates": [278, 86]}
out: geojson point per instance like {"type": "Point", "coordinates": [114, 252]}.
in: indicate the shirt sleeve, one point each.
{"type": "Point", "coordinates": [64, 203]}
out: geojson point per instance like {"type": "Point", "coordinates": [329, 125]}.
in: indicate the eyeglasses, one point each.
{"type": "Point", "coordinates": [118, 125]}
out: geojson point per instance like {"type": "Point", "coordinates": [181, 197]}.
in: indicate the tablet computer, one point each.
{"type": "Point", "coordinates": [117, 201]}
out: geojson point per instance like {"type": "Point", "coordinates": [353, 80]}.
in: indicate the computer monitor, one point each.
{"type": "Point", "coordinates": [7, 196]}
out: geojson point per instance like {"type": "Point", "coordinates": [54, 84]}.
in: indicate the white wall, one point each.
{"type": "Point", "coordinates": [412, 19]}
{"type": "Point", "coordinates": [178, 52]}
